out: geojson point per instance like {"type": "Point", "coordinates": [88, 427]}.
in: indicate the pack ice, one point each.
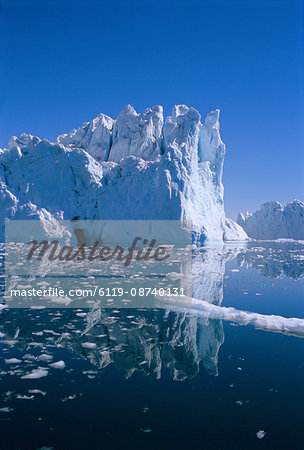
{"type": "Point", "coordinates": [275, 221]}
{"type": "Point", "coordinates": [134, 167]}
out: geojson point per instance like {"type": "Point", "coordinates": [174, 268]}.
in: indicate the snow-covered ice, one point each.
{"type": "Point", "coordinates": [201, 308]}
{"type": "Point", "coordinates": [35, 374]}
{"type": "Point", "coordinates": [260, 434]}
{"type": "Point", "coordinates": [45, 357]}
{"type": "Point", "coordinates": [25, 397]}
{"type": "Point", "coordinates": [12, 361]}
{"type": "Point", "coordinates": [37, 391]}
{"type": "Point", "coordinates": [58, 365]}
{"type": "Point", "coordinates": [88, 344]}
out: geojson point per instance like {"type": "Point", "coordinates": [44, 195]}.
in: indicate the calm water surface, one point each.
{"type": "Point", "coordinates": [160, 378]}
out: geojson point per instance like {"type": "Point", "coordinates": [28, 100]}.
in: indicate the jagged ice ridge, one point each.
{"type": "Point", "coordinates": [275, 221]}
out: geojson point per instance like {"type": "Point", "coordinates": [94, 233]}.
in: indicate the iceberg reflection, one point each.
{"type": "Point", "coordinates": [274, 259]}
{"type": "Point", "coordinates": [179, 334]}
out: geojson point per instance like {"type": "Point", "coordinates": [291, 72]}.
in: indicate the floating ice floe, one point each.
{"type": "Point", "coordinates": [88, 345]}
{"type": "Point", "coordinates": [70, 397]}
{"type": "Point", "coordinates": [58, 365]}
{"type": "Point", "coordinates": [260, 434]}
{"type": "Point", "coordinates": [45, 357]}
{"type": "Point", "coordinates": [25, 397]}
{"type": "Point", "coordinates": [35, 374]}
{"type": "Point", "coordinates": [36, 391]}
{"type": "Point", "coordinates": [12, 361]}
{"type": "Point", "coordinates": [287, 325]}
{"type": "Point", "coordinates": [63, 300]}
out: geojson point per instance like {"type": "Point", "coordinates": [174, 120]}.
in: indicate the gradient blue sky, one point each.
{"type": "Point", "coordinates": [64, 62]}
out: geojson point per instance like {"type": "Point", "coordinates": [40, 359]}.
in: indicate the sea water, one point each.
{"type": "Point", "coordinates": [161, 377]}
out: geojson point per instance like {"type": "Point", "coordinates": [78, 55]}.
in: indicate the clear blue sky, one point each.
{"type": "Point", "coordinates": [63, 62]}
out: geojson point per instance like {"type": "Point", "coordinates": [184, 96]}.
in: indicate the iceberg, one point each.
{"type": "Point", "coordinates": [135, 167]}
{"type": "Point", "coordinates": [275, 221]}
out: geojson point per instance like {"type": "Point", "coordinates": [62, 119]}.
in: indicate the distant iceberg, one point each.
{"type": "Point", "coordinates": [134, 167]}
{"type": "Point", "coordinates": [275, 221]}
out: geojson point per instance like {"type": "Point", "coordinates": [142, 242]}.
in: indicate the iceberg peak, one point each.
{"type": "Point", "coordinates": [275, 221]}
{"type": "Point", "coordinates": [213, 119]}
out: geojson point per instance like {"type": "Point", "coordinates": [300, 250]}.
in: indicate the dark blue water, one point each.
{"type": "Point", "coordinates": [151, 378]}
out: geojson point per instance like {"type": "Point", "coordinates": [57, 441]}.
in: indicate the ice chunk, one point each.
{"type": "Point", "coordinates": [37, 391]}
{"type": "Point", "coordinates": [59, 300]}
{"type": "Point", "coordinates": [25, 397]}
{"type": "Point", "coordinates": [58, 365]}
{"type": "Point", "coordinates": [35, 374]}
{"type": "Point", "coordinates": [260, 434]}
{"type": "Point", "coordinates": [233, 231]}
{"type": "Point", "coordinates": [201, 308]}
{"type": "Point", "coordinates": [88, 345]}
{"type": "Point", "coordinates": [45, 357]}
{"type": "Point", "coordinates": [12, 361]}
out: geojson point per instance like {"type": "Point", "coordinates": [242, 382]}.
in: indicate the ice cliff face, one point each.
{"type": "Point", "coordinates": [134, 167]}
{"type": "Point", "coordinates": [274, 221]}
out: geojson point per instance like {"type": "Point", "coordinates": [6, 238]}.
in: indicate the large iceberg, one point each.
{"type": "Point", "coordinates": [134, 167]}
{"type": "Point", "coordinates": [275, 221]}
